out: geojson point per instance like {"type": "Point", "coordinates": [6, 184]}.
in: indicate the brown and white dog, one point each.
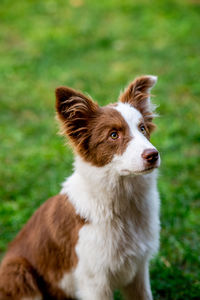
{"type": "Point", "coordinates": [100, 232]}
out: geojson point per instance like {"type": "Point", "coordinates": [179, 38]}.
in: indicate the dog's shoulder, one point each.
{"type": "Point", "coordinates": [49, 238]}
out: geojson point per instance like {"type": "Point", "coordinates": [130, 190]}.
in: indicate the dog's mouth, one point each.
{"type": "Point", "coordinates": [126, 172]}
{"type": "Point", "coordinates": [147, 170]}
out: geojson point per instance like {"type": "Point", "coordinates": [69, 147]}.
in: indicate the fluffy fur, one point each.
{"type": "Point", "coordinates": [100, 232]}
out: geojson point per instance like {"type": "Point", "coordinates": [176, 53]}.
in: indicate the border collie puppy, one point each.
{"type": "Point", "coordinates": [100, 232]}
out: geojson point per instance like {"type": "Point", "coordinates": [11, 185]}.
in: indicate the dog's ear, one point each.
{"type": "Point", "coordinates": [137, 94]}
{"type": "Point", "coordinates": [74, 110]}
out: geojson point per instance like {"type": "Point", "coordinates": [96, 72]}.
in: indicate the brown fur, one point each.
{"type": "Point", "coordinates": [102, 147]}
{"type": "Point", "coordinates": [75, 111]}
{"type": "Point", "coordinates": [33, 266]}
{"type": "Point", "coordinates": [137, 94]}
{"type": "Point", "coordinates": [89, 127]}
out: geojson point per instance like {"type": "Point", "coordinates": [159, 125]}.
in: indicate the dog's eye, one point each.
{"type": "Point", "coordinates": [142, 128]}
{"type": "Point", "coordinates": [114, 135]}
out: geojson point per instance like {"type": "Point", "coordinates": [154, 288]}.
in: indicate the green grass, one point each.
{"type": "Point", "coordinates": [97, 47]}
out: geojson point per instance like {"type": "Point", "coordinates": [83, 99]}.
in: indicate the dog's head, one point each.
{"type": "Point", "coordinates": [117, 134]}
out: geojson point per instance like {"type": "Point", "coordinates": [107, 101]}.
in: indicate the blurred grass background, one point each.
{"type": "Point", "coordinates": [98, 47]}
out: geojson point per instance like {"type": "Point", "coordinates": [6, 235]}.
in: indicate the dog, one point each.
{"type": "Point", "coordinates": [101, 231]}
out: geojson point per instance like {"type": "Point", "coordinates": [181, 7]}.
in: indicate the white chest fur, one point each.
{"type": "Point", "coordinates": [115, 247]}
{"type": "Point", "coordinates": [123, 226]}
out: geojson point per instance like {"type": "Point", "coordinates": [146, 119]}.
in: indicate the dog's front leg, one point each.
{"type": "Point", "coordinates": [93, 294]}
{"type": "Point", "coordinates": [94, 291]}
{"type": "Point", "coordinates": [139, 288]}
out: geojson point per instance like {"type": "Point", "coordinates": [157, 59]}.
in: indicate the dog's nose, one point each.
{"type": "Point", "coordinates": [150, 155]}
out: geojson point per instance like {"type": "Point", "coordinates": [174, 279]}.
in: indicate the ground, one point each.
{"type": "Point", "coordinates": [98, 47]}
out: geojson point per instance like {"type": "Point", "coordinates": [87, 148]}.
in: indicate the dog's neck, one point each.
{"type": "Point", "coordinates": [100, 193]}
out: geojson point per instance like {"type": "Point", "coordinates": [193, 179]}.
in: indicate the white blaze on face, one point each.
{"type": "Point", "coordinates": [131, 161]}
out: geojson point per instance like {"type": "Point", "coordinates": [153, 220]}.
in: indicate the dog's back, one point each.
{"type": "Point", "coordinates": [42, 252]}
